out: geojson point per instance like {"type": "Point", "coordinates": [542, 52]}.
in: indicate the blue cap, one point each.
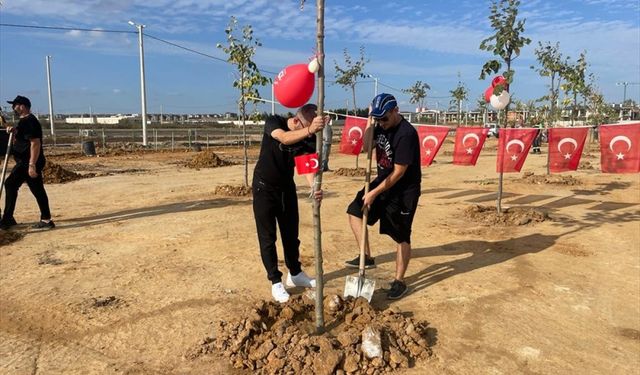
{"type": "Point", "coordinates": [381, 104]}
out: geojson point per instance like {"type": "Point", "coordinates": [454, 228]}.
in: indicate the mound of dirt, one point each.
{"type": "Point", "coordinates": [206, 159]}
{"type": "Point", "coordinates": [554, 179]}
{"type": "Point", "coordinates": [509, 217]}
{"type": "Point", "coordinates": [56, 174]}
{"type": "Point", "coordinates": [279, 339]}
{"type": "Point", "coordinates": [232, 190]}
{"type": "Point", "coordinates": [350, 172]}
{"type": "Point", "coordinates": [7, 237]}
{"type": "Point", "coordinates": [123, 148]}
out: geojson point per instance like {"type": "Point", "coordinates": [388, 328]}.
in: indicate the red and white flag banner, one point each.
{"type": "Point", "coordinates": [513, 148]}
{"type": "Point", "coordinates": [468, 144]}
{"type": "Point", "coordinates": [565, 148]}
{"type": "Point", "coordinates": [352, 135]}
{"type": "Point", "coordinates": [431, 139]}
{"type": "Point", "coordinates": [620, 148]}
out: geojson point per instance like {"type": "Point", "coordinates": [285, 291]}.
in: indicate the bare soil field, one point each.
{"type": "Point", "coordinates": [150, 256]}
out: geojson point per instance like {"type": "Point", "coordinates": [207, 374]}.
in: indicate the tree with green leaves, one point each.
{"type": "Point", "coordinates": [459, 95]}
{"type": "Point", "coordinates": [347, 76]}
{"type": "Point", "coordinates": [576, 84]}
{"type": "Point", "coordinates": [240, 51]}
{"type": "Point", "coordinates": [506, 44]}
{"type": "Point", "coordinates": [418, 94]}
{"type": "Point", "coordinates": [552, 65]}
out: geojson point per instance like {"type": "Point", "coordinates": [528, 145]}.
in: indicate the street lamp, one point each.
{"type": "Point", "coordinates": [143, 91]}
{"type": "Point", "coordinates": [375, 87]}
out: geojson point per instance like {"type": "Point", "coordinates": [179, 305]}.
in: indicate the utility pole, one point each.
{"type": "Point", "coordinates": [47, 59]}
{"type": "Point", "coordinates": [273, 100]}
{"type": "Point", "coordinates": [143, 91]}
{"type": "Point", "coordinates": [375, 84]}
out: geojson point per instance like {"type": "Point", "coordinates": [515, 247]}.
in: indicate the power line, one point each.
{"type": "Point", "coordinates": [67, 28]}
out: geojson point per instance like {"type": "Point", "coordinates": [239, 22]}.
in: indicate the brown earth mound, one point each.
{"type": "Point", "coordinates": [554, 179]}
{"type": "Point", "coordinates": [279, 339]}
{"type": "Point", "coordinates": [55, 174]}
{"type": "Point", "coordinates": [7, 237]}
{"type": "Point", "coordinates": [350, 172]}
{"type": "Point", "coordinates": [123, 148]}
{"type": "Point", "coordinates": [232, 190]}
{"type": "Point", "coordinates": [509, 217]}
{"type": "Point", "coordinates": [206, 159]}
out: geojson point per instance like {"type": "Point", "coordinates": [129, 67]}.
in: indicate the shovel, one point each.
{"type": "Point", "coordinates": [359, 286]}
{"type": "Point", "coordinates": [6, 160]}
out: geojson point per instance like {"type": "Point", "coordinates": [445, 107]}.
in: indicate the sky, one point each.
{"type": "Point", "coordinates": [404, 41]}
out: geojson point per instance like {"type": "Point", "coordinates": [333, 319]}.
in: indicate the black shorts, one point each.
{"type": "Point", "coordinates": [395, 210]}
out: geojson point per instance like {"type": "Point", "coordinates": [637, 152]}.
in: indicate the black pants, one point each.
{"type": "Point", "coordinates": [19, 175]}
{"type": "Point", "coordinates": [270, 206]}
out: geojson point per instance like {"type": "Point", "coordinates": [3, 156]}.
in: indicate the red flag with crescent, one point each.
{"type": "Point", "coordinates": [431, 139]}
{"type": "Point", "coordinates": [565, 148]}
{"type": "Point", "coordinates": [307, 163]}
{"type": "Point", "coordinates": [352, 135]}
{"type": "Point", "coordinates": [513, 148]}
{"type": "Point", "coordinates": [620, 148]}
{"type": "Point", "coordinates": [468, 144]}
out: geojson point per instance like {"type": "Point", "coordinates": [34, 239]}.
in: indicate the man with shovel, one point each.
{"type": "Point", "coordinates": [29, 156]}
{"type": "Point", "coordinates": [393, 195]}
{"type": "Point", "coordinates": [274, 194]}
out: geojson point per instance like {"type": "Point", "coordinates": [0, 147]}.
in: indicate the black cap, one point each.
{"type": "Point", "coordinates": [20, 100]}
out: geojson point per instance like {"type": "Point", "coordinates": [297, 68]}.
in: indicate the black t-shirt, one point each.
{"type": "Point", "coordinates": [4, 139]}
{"type": "Point", "coordinates": [275, 164]}
{"type": "Point", "coordinates": [398, 145]}
{"type": "Point", "coordinates": [28, 128]}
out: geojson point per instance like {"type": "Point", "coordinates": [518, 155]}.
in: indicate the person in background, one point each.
{"type": "Point", "coordinates": [30, 161]}
{"type": "Point", "coordinates": [327, 136]}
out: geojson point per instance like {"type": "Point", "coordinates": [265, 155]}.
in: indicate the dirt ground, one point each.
{"type": "Point", "coordinates": [146, 260]}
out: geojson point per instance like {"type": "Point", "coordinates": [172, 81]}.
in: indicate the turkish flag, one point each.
{"type": "Point", "coordinates": [307, 163]}
{"type": "Point", "coordinates": [513, 148]}
{"type": "Point", "coordinates": [620, 148]}
{"type": "Point", "coordinates": [352, 135]}
{"type": "Point", "coordinates": [565, 148]}
{"type": "Point", "coordinates": [431, 139]}
{"type": "Point", "coordinates": [468, 144]}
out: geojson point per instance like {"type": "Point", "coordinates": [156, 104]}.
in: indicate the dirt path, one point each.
{"type": "Point", "coordinates": [146, 259]}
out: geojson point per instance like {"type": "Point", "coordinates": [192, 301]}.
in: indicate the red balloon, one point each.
{"type": "Point", "coordinates": [487, 94]}
{"type": "Point", "coordinates": [500, 81]}
{"type": "Point", "coordinates": [294, 85]}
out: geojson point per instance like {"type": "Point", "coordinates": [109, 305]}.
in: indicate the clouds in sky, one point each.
{"type": "Point", "coordinates": [405, 40]}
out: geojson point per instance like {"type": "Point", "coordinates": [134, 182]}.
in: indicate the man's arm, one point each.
{"type": "Point", "coordinates": [295, 136]}
{"type": "Point", "coordinates": [387, 183]}
{"type": "Point", "coordinates": [292, 136]}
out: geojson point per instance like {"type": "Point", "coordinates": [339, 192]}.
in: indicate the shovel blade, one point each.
{"type": "Point", "coordinates": [356, 286]}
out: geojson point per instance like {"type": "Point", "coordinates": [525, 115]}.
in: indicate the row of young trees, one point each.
{"type": "Point", "coordinates": [564, 74]}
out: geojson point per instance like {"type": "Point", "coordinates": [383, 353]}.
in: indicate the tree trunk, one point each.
{"type": "Point", "coordinates": [355, 113]}
{"type": "Point", "coordinates": [244, 130]}
{"type": "Point", "coordinates": [317, 229]}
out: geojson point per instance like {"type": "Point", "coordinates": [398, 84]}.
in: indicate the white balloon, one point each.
{"type": "Point", "coordinates": [313, 66]}
{"type": "Point", "coordinates": [500, 101]}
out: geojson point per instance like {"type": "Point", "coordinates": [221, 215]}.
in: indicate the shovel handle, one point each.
{"type": "Point", "coordinates": [365, 213]}
{"type": "Point", "coordinates": [6, 160]}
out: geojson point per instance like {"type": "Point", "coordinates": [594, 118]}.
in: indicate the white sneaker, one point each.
{"type": "Point", "coordinates": [301, 279]}
{"type": "Point", "coordinates": [279, 293]}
